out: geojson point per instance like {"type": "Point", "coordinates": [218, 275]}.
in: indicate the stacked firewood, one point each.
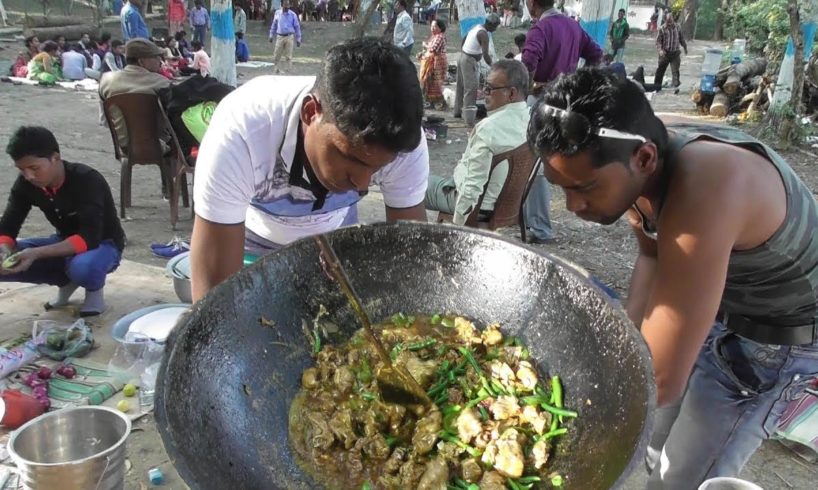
{"type": "Point", "coordinates": [739, 88]}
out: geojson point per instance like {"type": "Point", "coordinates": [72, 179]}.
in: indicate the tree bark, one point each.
{"type": "Point", "coordinates": [720, 105]}
{"type": "Point", "coordinates": [783, 120]}
{"type": "Point", "coordinates": [689, 18]}
{"type": "Point", "coordinates": [362, 21]}
{"type": "Point", "coordinates": [721, 14]}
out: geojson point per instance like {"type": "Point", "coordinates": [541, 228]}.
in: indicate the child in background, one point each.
{"type": "Point", "coordinates": [519, 41]}
{"type": "Point", "coordinates": [201, 61]}
{"type": "Point", "coordinates": [242, 51]}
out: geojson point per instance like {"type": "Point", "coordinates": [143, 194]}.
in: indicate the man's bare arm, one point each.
{"type": "Point", "coordinates": [644, 272]}
{"type": "Point", "coordinates": [415, 213]}
{"type": "Point", "coordinates": [216, 253]}
{"type": "Point", "coordinates": [704, 213]}
{"type": "Point", "coordinates": [483, 38]}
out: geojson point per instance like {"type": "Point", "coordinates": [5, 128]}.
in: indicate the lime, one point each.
{"type": "Point", "coordinates": [129, 390]}
{"type": "Point", "coordinates": [11, 261]}
{"type": "Point", "coordinates": [123, 406]}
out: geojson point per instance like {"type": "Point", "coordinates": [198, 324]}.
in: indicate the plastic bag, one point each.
{"type": "Point", "coordinates": [63, 341]}
{"type": "Point", "coordinates": [131, 359]}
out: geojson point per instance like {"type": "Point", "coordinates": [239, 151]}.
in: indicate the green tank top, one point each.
{"type": "Point", "coordinates": [776, 282]}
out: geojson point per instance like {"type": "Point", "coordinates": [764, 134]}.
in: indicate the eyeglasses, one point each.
{"type": "Point", "coordinates": [488, 88]}
{"type": "Point", "coordinates": [577, 129]}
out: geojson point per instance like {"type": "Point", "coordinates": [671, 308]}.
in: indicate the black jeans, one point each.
{"type": "Point", "coordinates": [674, 59]}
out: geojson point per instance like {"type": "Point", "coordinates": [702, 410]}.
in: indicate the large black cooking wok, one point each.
{"type": "Point", "coordinates": [227, 379]}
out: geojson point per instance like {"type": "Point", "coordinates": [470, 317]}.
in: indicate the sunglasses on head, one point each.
{"type": "Point", "coordinates": [577, 129]}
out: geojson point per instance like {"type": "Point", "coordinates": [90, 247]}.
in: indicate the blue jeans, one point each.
{"type": "Point", "coordinates": [735, 396]}
{"type": "Point", "coordinates": [199, 33]}
{"type": "Point", "coordinates": [87, 269]}
{"type": "Point", "coordinates": [536, 209]}
{"type": "Point", "coordinates": [619, 55]}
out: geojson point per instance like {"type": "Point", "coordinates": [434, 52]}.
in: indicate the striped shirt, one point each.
{"type": "Point", "coordinates": [670, 38]}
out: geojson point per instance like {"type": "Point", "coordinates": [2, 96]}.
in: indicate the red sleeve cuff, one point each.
{"type": "Point", "coordinates": [7, 240]}
{"type": "Point", "coordinates": [78, 243]}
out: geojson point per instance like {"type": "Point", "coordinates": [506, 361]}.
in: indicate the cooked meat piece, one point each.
{"type": "Point", "coordinates": [466, 331]}
{"type": "Point", "coordinates": [372, 421]}
{"type": "Point", "coordinates": [426, 432]}
{"type": "Point", "coordinates": [509, 460]}
{"type": "Point", "coordinates": [471, 471]}
{"type": "Point", "coordinates": [341, 426]}
{"type": "Point", "coordinates": [375, 447]}
{"type": "Point", "coordinates": [435, 476]}
{"type": "Point", "coordinates": [468, 425]}
{"type": "Point", "coordinates": [492, 481]}
{"type": "Point", "coordinates": [344, 379]}
{"type": "Point", "coordinates": [505, 407]}
{"type": "Point", "coordinates": [318, 431]}
{"type": "Point", "coordinates": [309, 379]}
{"type": "Point", "coordinates": [395, 415]}
{"type": "Point", "coordinates": [456, 396]}
{"type": "Point", "coordinates": [527, 375]}
{"type": "Point", "coordinates": [410, 474]}
{"type": "Point", "coordinates": [395, 461]}
{"type": "Point", "coordinates": [502, 372]}
{"type": "Point", "coordinates": [449, 451]}
{"type": "Point", "coordinates": [538, 420]}
{"type": "Point", "coordinates": [422, 371]}
{"type": "Point", "coordinates": [539, 453]}
{"type": "Point", "coordinates": [491, 335]}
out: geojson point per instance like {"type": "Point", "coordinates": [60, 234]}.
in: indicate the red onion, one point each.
{"type": "Point", "coordinates": [44, 373]}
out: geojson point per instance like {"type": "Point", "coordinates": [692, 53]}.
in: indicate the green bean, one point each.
{"type": "Point", "coordinates": [396, 350]}
{"type": "Point", "coordinates": [554, 433]}
{"type": "Point", "coordinates": [483, 413]}
{"type": "Point", "coordinates": [498, 388]}
{"type": "Point", "coordinates": [560, 412]}
{"type": "Point", "coordinates": [421, 345]}
{"type": "Point", "coordinates": [476, 401]}
{"type": "Point", "coordinates": [528, 479]}
{"type": "Point", "coordinates": [316, 342]}
{"type": "Point", "coordinates": [556, 391]}
{"type": "Point", "coordinates": [452, 409]}
{"type": "Point", "coordinates": [470, 358]}
{"type": "Point", "coordinates": [513, 485]}
{"type": "Point", "coordinates": [556, 480]}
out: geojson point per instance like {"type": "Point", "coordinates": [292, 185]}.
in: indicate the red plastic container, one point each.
{"type": "Point", "coordinates": [17, 408]}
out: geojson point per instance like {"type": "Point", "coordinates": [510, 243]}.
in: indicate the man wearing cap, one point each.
{"type": "Point", "coordinates": [140, 76]}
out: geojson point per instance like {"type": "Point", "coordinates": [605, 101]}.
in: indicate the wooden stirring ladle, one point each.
{"type": "Point", "coordinates": [395, 383]}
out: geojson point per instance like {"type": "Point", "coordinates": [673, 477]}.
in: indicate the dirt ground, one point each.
{"type": "Point", "coordinates": [607, 252]}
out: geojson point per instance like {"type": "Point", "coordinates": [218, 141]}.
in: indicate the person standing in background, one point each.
{"type": "Point", "coordinates": [3, 14]}
{"type": "Point", "coordinates": [177, 13]}
{"type": "Point", "coordinates": [403, 35]}
{"type": "Point", "coordinates": [239, 20]}
{"type": "Point", "coordinates": [284, 28]}
{"type": "Point", "coordinates": [199, 22]}
{"type": "Point", "coordinates": [668, 42]}
{"type": "Point", "coordinates": [620, 32]}
{"type": "Point", "coordinates": [552, 47]}
{"type": "Point", "coordinates": [475, 47]}
{"type": "Point", "coordinates": [133, 25]}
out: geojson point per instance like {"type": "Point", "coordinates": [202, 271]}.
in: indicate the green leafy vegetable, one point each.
{"type": "Point", "coordinates": [447, 322]}
{"type": "Point", "coordinates": [436, 319]}
{"type": "Point", "coordinates": [402, 320]}
{"type": "Point", "coordinates": [421, 345]}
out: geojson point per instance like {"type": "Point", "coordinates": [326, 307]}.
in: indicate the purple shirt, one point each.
{"type": "Point", "coordinates": [199, 17]}
{"type": "Point", "coordinates": [285, 23]}
{"type": "Point", "coordinates": [555, 44]}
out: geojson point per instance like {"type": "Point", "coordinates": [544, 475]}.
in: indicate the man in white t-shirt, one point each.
{"type": "Point", "coordinates": [289, 157]}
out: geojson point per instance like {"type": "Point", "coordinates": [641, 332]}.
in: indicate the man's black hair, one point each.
{"type": "Point", "coordinates": [519, 40]}
{"type": "Point", "coordinates": [369, 89]}
{"type": "Point", "coordinates": [196, 45]}
{"type": "Point", "coordinates": [116, 43]}
{"type": "Point", "coordinates": [28, 41]}
{"type": "Point", "coordinates": [606, 102]}
{"type": "Point", "coordinates": [105, 37]}
{"type": "Point", "coordinates": [622, 11]}
{"type": "Point", "coordinates": [32, 141]}
{"type": "Point", "coordinates": [403, 4]}
{"type": "Point", "coordinates": [180, 35]}
{"type": "Point", "coordinates": [240, 35]}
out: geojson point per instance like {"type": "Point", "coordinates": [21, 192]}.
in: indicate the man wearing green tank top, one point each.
{"type": "Point", "coordinates": [724, 287]}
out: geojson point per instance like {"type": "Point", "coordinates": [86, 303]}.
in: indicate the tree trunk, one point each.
{"type": "Point", "coordinates": [71, 33]}
{"type": "Point", "coordinates": [721, 13]}
{"type": "Point", "coordinates": [720, 105]}
{"type": "Point", "coordinates": [782, 119]}
{"type": "Point", "coordinates": [688, 21]}
{"type": "Point", "coordinates": [223, 42]}
{"type": "Point", "coordinates": [362, 21]}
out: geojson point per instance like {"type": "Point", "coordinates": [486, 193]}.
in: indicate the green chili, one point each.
{"type": "Point", "coordinates": [447, 322]}
{"type": "Point", "coordinates": [421, 345]}
{"type": "Point", "coordinates": [556, 480]}
{"type": "Point", "coordinates": [470, 358]}
{"type": "Point", "coordinates": [316, 342]}
{"type": "Point", "coordinates": [435, 319]}
{"type": "Point", "coordinates": [367, 396]}
{"type": "Point", "coordinates": [528, 479]}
